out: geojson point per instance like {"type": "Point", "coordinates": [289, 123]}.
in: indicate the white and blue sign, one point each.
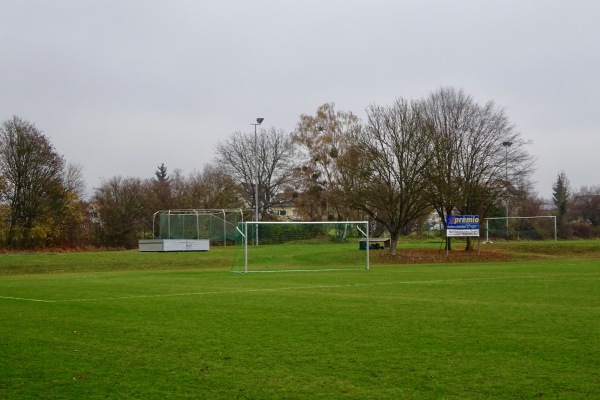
{"type": "Point", "coordinates": [462, 225]}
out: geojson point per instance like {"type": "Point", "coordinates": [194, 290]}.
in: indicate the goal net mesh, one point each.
{"type": "Point", "coordinates": [520, 228]}
{"type": "Point", "coordinates": [300, 246]}
{"type": "Point", "coordinates": [218, 226]}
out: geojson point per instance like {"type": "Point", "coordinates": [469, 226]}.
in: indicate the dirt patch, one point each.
{"type": "Point", "coordinates": [414, 256]}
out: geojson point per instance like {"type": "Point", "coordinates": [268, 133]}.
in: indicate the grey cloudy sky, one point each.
{"type": "Point", "coordinates": [122, 86]}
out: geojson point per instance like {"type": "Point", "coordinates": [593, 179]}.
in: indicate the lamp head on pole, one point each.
{"type": "Point", "coordinates": [259, 120]}
{"type": "Point", "coordinates": [506, 144]}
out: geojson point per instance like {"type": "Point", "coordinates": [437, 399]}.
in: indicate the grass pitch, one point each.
{"type": "Point", "coordinates": [126, 325]}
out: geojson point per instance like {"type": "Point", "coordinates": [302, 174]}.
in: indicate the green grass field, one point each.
{"type": "Point", "coordinates": [130, 325]}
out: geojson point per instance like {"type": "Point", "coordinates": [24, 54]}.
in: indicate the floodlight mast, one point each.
{"type": "Point", "coordinates": [258, 122]}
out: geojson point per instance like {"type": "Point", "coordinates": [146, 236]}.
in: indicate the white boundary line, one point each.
{"type": "Point", "coordinates": [289, 288]}
{"type": "Point", "coordinates": [26, 299]}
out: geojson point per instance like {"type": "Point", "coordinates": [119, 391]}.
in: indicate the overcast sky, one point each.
{"type": "Point", "coordinates": [121, 86]}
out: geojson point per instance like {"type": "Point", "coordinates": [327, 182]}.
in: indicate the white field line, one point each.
{"type": "Point", "coordinates": [25, 299]}
{"type": "Point", "coordinates": [289, 288]}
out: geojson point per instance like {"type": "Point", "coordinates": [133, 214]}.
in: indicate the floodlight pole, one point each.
{"type": "Point", "coordinates": [506, 146]}
{"type": "Point", "coordinates": [258, 122]}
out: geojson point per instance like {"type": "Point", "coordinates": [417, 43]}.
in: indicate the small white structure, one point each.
{"type": "Point", "coordinates": [174, 245]}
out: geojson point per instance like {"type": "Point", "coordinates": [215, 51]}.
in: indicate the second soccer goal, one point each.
{"type": "Point", "coordinates": [301, 246]}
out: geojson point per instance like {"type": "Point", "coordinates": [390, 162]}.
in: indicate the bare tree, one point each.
{"type": "Point", "coordinates": [211, 189]}
{"type": "Point", "coordinates": [585, 209]}
{"type": "Point", "coordinates": [73, 181]}
{"type": "Point", "coordinates": [32, 179]}
{"type": "Point", "coordinates": [385, 169]}
{"type": "Point", "coordinates": [160, 196]}
{"type": "Point", "coordinates": [121, 208]}
{"type": "Point", "coordinates": [268, 159]}
{"type": "Point", "coordinates": [179, 188]}
{"type": "Point", "coordinates": [524, 202]}
{"type": "Point", "coordinates": [66, 225]}
{"type": "Point", "coordinates": [476, 154]}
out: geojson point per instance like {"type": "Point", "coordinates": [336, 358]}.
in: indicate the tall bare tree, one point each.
{"type": "Point", "coordinates": [32, 171]}
{"type": "Point", "coordinates": [267, 158]}
{"type": "Point", "coordinates": [476, 153]}
{"type": "Point", "coordinates": [385, 168]}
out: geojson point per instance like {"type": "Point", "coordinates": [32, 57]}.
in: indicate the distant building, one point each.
{"type": "Point", "coordinates": [548, 207]}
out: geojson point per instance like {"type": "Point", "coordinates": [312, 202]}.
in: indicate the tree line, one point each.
{"type": "Point", "coordinates": [444, 154]}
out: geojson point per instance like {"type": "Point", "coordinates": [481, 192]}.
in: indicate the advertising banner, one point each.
{"type": "Point", "coordinates": [462, 225]}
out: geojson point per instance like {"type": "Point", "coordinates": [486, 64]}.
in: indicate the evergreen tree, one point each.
{"type": "Point", "coordinates": [161, 197]}
{"type": "Point", "coordinates": [561, 191]}
{"type": "Point", "coordinates": [161, 173]}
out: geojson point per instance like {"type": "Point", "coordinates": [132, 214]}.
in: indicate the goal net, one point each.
{"type": "Point", "coordinates": [301, 246]}
{"type": "Point", "coordinates": [520, 228]}
{"type": "Point", "coordinates": [218, 226]}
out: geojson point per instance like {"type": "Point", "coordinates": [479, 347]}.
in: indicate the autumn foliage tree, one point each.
{"type": "Point", "coordinates": [323, 139]}
{"type": "Point", "coordinates": [32, 184]}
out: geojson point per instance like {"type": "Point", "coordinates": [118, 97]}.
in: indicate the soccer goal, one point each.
{"type": "Point", "coordinates": [301, 246]}
{"type": "Point", "coordinates": [539, 227]}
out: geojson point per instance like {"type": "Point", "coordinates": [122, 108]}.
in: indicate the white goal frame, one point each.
{"type": "Point", "coordinates": [243, 232]}
{"type": "Point", "coordinates": [487, 226]}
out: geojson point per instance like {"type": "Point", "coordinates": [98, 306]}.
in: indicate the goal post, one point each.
{"type": "Point", "coordinates": [301, 246]}
{"type": "Point", "coordinates": [539, 227]}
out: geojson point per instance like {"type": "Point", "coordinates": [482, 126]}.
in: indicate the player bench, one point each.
{"type": "Point", "coordinates": [374, 244]}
